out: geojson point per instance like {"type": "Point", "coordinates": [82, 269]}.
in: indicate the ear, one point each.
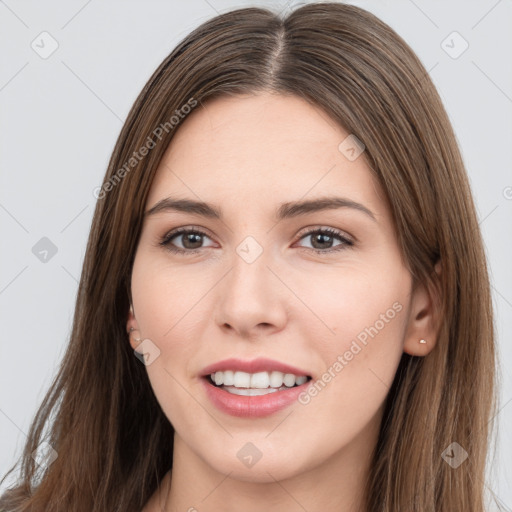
{"type": "Point", "coordinates": [132, 329]}
{"type": "Point", "coordinates": [424, 319]}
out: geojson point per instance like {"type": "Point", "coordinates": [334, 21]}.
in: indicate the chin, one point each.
{"type": "Point", "coordinates": [261, 462]}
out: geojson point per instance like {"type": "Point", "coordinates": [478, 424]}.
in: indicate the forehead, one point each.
{"type": "Point", "coordinates": [260, 148]}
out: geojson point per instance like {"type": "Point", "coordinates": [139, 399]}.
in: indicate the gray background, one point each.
{"type": "Point", "coordinates": [62, 114]}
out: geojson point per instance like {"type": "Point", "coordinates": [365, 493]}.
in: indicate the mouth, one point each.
{"type": "Point", "coordinates": [255, 384]}
{"type": "Point", "coordinates": [252, 389]}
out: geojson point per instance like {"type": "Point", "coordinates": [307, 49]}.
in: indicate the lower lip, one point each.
{"type": "Point", "coordinates": [252, 406]}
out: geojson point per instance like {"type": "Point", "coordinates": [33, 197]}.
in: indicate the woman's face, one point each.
{"type": "Point", "coordinates": [255, 288]}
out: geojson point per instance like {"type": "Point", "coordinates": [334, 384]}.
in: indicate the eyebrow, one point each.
{"type": "Point", "coordinates": [285, 211]}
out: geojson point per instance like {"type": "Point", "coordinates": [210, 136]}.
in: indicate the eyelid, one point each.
{"type": "Point", "coordinates": [184, 230]}
{"type": "Point", "coordinates": [310, 230]}
{"type": "Point", "coordinates": [346, 239]}
{"type": "Point", "coordinates": [304, 231]}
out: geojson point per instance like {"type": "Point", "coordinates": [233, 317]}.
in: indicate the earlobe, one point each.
{"type": "Point", "coordinates": [135, 338]}
{"type": "Point", "coordinates": [132, 329]}
{"type": "Point", "coordinates": [424, 320]}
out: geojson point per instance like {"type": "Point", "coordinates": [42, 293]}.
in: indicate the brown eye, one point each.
{"type": "Point", "coordinates": [191, 240]}
{"type": "Point", "coordinates": [322, 240]}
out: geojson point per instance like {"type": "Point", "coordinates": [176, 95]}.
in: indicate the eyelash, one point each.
{"type": "Point", "coordinates": [346, 243]}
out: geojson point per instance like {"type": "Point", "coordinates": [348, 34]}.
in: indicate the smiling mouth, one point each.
{"type": "Point", "coordinates": [255, 384]}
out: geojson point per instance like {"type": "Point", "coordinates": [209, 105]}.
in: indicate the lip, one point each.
{"type": "Point", "coordinates": [256, 365]}
{"type": "Point", "coordinates": [252, 406]}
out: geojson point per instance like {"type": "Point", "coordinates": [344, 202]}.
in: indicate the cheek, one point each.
{"type": "Point", "coordinates": [167, 307]}
{"type": "Point", "coordinates": [366, 313]}
{"type": "Point", "coordinates": [166, 298]}
{"type": "Point", "coordinates": [353, 302]}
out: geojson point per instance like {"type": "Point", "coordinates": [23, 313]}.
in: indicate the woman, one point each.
{"type": "Point", "coordinates": [222, 357]}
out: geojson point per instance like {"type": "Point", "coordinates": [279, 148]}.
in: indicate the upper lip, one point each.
{"type": "Point", "coordinates": [253, 366]}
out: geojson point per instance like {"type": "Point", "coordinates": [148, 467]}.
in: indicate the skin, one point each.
{"type": "Point", "coordinates": [247, 155]}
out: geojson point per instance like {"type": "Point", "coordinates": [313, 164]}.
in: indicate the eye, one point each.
{"type": "Point", "coordinates": [192, 240]}
{"type": "Point", "coordinates": [322, 237]}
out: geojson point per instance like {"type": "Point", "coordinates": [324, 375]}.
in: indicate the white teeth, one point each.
{"type": "Point", "coordinates": [242, 380]}
{"type": "Point", "coordinates": [250, 391]}
{"type": "Point", "coordinates": [300, 380]}
{"type": "Point", "coordinates": [276, 379]}
{"type": "Point", "coordinates": [289, 380]}
{"type": "Point", "coordinates": [229, 378]}
{"type": "Point", "coordinates": [260, 380]}
{"type": "Point", "coordinates": [271, 381]}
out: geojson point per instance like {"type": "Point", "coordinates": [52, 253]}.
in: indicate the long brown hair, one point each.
{"type": "Point", "coordinates": [113, 441]}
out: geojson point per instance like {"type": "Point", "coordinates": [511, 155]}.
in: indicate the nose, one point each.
{"type": "Point", "coordinates": [251, 299]}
